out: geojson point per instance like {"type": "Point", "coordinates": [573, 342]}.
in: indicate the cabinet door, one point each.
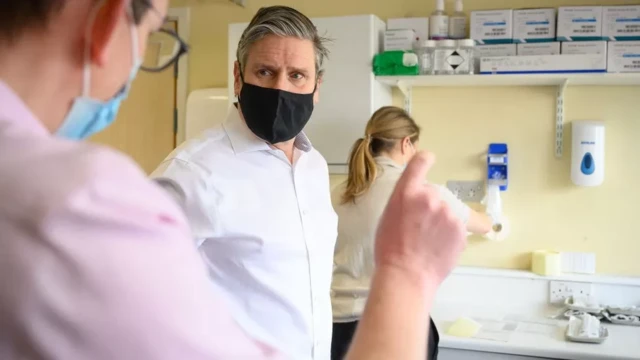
{"type": "Point", "coordinates": [346, 93]}
{"type": "Point", "coordinates": [455, 354]}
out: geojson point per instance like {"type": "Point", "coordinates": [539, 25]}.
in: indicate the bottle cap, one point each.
{"type": "Point", "coordinates": [467, 42]}
{"type": "Point", "coordinates": [428, 43]}
{"type": "Point", "coordinates": [446, 43]}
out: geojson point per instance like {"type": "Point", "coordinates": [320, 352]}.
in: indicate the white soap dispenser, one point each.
{"type": "Point", "coordinates": [458, 22]}
{"type": "Point", "coordinates": [439, 22]}
{"type": "Point", "coordinates": [587, 153]}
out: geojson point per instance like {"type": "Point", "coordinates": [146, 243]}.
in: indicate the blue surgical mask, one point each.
{"type": "Point", "coordinates": [88, 115]}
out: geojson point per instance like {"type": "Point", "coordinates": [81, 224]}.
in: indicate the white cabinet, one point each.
{"type": "Point", "coordinates": [349, 93]}
{"type": "Point", "coordinates": [456, 354]}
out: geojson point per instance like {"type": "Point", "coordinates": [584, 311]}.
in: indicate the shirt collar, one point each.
{"type": "Point", "coordinates": [386, 162]}
{"type": "Point", "coordinates": [243, 140]}
{"type": "Point", "coordinates": [14, 110]}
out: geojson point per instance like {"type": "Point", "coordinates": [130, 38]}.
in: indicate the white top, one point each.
{"type": "Point", "coordinates": [358, 222]}
{"type": "Point", "coordinates": [266, 230]}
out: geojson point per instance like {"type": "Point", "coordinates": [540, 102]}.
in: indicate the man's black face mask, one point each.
{"type": "Point", "coordinates": [274, 115]}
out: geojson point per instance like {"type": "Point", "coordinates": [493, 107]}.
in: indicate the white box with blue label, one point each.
{"type": "Point", "coordinates": [492, 26]}
{"type": "Point", "coordinates": [583, 47]}
{"type": "Point", "coordinates": [547, 48]}
{"type": "Point", "coordinates": [624, 56]}
{"type": "Point", "coordinates": [492, 50]}
{"type": "Point", "coordinates": [621, 22]}
{"type": "Point", "coordinates": [544, 64]}
{"type": "Point", "coordinates": [580, 23]}
{"type": "Point", "coordinates": [399, 39]}
{"type": "Point", "coordinates": [418, 24]}
{"type": "Point", "coordinates": [534, 25]}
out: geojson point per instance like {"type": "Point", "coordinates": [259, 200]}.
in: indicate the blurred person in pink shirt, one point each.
{"type": "Point", "coordinates": [97, 262]}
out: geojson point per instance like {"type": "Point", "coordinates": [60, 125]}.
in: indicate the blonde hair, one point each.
{"type": "Point", "coordinates": [387, 126]}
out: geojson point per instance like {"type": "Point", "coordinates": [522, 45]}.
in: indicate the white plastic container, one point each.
{"type": "Point", "coordinates": [458, 22]}
{"type": "Point", "coordinates": [426, 56]}
{"type": "Point", "coordinates": [587, 153]}
{"type": "Point", "coordinates": [445, 50]}
{"type": "Point", "coordinates": [439, 22]}
{"type": "Point", "coordinates": [466, 51]}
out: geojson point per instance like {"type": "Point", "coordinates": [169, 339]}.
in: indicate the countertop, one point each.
{"type": "Point", "coordinates": [546, 340]}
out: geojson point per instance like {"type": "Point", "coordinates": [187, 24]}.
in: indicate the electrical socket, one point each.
{"type": "Point", "coordinates": [559, 291]}
{"type": "Point", "coordinates": [470, 191]}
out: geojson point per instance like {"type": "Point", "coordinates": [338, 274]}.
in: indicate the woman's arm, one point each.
{"type": "Point", "coordinates": [479, 223]}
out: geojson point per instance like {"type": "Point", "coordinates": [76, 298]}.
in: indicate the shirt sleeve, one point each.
{"type": "Point", "coordinates": [188, 186]}
{"type": "Point", "coordinates": [115, 276]}
{"type": "Point", "coordinates": [459, 208]}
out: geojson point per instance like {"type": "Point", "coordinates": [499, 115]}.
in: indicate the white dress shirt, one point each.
{"type": "Point", "coordinates": [357, 225]}
{"type": "Point", "coordinates": [266, 229]}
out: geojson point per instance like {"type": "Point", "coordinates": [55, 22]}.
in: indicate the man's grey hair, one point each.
{"type": "Point", "coordinates": [286, 22]}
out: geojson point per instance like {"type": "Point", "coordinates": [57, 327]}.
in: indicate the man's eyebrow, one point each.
{"type": "Point", "coordinates": [300, 70]}
{"type": "Point", "coordinates": [265, 65]}
{"type": "Point", "coordinates": [274, 68]}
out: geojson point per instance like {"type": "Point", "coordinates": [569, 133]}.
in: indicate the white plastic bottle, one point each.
{"type": "Point", "coordinates": [458, 23]}
{"type": "Point", "coordinates": [439, 22]}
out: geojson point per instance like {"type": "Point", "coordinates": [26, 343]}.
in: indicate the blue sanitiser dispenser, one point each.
{"type": "Point", "coordinates": [497, 165]}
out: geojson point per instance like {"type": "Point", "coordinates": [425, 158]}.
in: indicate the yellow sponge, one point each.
{"type": "Point", "coordinates": [464, 327]}
{"type": "Point", "coordinates": [545, 262]}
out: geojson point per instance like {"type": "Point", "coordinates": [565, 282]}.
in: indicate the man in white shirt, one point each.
{"type": "Point", "coordinates": [257, 193]}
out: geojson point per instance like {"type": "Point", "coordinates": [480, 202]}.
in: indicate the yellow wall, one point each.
{"type": "Point", "coordinates": [545, 210]}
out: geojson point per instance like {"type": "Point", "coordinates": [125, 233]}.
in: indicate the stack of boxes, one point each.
{"type": "Point", "coordinates": [576, 39]}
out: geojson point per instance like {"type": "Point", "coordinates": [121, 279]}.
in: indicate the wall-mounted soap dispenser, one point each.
{"type": "Point", "coordinates": [497, 165]}
{"type": "Point", "coordinates": [587, 153]}
{"type": "Point", "coordinates": [497, 181]}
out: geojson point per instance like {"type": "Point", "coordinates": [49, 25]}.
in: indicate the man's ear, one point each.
{"type": "Point", "coordinates": [316, 95]}
{"type": "Point", "coordinates": [237, 81]}
{"type": "Point", "coordinates": [104, 27]}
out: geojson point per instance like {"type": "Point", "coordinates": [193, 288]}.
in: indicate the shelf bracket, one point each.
{"type": "Point", "coordinates": [406, 91]}
{"type": "Point", "coordinates": [560, 118]}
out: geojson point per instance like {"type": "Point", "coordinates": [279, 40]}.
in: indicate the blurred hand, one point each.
{"type": "Point", "coordinates": [418, 234]}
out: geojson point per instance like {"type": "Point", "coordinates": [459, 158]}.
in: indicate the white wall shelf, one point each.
{"type": "Point", "coordinates": [406, 83]}
{"type": "Point", "coordinates": [512, 80]}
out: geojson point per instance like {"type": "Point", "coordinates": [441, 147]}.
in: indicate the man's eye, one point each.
{"type": "Point", "coordinates": [264, 72]}
{"type": "Point", "coordinates": [297, 76]}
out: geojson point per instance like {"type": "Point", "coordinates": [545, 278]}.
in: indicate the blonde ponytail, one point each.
{"type": "Point", "coordinates": [362, 170]}
{"type": "Point", "coordinates": [387, 126]}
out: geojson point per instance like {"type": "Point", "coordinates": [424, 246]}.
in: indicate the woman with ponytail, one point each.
{"type": "Point", "coordinates": [375, 165]}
